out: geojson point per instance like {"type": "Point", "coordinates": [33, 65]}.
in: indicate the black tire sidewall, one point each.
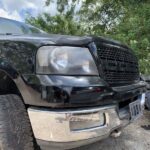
{"type": "Point", "coordinates": [15, 128]}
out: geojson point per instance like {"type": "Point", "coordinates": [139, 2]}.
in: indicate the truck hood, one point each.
{"type": "Point", "coordinates": [57, 39]}
{"type": "Point", "coordinates": [52, 39]}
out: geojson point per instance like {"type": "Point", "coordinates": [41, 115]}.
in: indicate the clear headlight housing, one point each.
{"type": "Point", "coordinates": [65, 60]}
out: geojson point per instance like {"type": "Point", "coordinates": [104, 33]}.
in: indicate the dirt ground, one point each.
{"type": "Point", "coordinates": [134, 137]}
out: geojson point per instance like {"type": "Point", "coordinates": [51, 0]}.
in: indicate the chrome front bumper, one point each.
{"type": "Point", "coordinates": [66, 127]}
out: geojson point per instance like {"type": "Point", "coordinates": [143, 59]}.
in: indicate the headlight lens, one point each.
{"type": "Point", "coordinates": [65, 60]}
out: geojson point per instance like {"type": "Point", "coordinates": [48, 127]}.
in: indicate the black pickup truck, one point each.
{"type": "Point", "coordinates": [64, 91]}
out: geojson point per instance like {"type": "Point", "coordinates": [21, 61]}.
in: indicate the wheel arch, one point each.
{"type": "Point", "coordinates": [7, 84]}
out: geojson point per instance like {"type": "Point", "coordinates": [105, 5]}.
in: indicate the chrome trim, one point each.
{"type": "Point", "coordinates": [45, 145]}
{"type": "Point", "coordinates": [71, 111]}
{"type": "Point", "coordinates": [53, 126]}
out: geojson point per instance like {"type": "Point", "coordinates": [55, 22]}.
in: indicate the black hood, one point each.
{"type": "Point", "coordinates": [57, 39]}
{"type": "Point", "coordinates": [52, 39]}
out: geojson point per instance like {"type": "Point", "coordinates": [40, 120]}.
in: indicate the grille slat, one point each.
{"type": "Point", "coordinates": [119, 65]}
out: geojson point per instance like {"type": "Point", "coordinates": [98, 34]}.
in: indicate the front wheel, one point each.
{"type": "Point", "coordinates": [15, 129]}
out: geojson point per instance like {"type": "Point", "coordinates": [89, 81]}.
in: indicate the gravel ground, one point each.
{"type": "Point", "coordinates": [134, 137]}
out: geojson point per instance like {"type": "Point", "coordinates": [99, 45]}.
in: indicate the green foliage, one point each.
{"type": "Point", "coordinates": [56, 24]}
{"type": "Point", "coordinates": [134, 30]}
{"type": "Point", "coordinates": [127, 21]}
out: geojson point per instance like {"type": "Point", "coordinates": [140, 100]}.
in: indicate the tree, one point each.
{"type": "Point", "coordinates": [134, 30]}
{"type": "Point", "coordinates": [56, 24]}
{"type": "Point", "coordinates": [63, 22]}
{"type": "Point", "coordinates": [91, 16]}
{"type": "Point", "coordinates": [127, 21]}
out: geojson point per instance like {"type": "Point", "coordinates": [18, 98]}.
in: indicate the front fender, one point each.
{"type": "Point", "coordinates": [16, 56]}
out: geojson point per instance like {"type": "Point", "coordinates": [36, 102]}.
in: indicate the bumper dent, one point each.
{"type": "Point", "coordinates": [54, 126]}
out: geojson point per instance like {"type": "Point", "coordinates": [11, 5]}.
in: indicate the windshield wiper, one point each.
{"type": "Point", "coordinates": [9, 34]}
{"type": "Point", "coordinates": [6, 33]}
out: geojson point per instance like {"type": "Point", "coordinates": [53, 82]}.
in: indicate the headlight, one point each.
{"type": "Point", "coordinates": [65, 60]}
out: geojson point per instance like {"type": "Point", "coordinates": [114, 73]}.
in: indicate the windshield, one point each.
{"type": "Point", "coordinates": [14, 27]}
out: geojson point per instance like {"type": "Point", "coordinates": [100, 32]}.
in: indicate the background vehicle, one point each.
{"type": "Point", "coordinates": [147, 80]}
{"type": "Point", "coordinates": [64, 91]}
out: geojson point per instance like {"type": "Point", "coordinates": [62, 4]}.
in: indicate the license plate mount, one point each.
{"type": "Point", "coordinates": [135, 110]}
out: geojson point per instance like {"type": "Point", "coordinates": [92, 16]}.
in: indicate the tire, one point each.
{"type": "Point", "coordinates": [15, 129]}
{"type": "Point", "coordinates": [148, 100]}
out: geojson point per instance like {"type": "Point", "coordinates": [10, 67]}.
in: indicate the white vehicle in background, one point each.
{"type": "Point", "coordinates": [147, 80]}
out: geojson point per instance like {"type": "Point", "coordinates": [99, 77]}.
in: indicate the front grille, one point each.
{"type": "Point", "coordinates": [119, 65]}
